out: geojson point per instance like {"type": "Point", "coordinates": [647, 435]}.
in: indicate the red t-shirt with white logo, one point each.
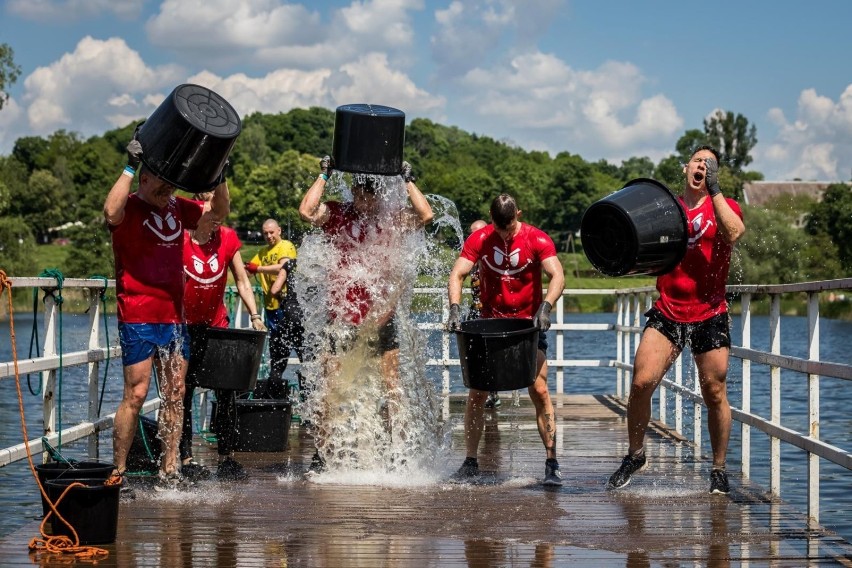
{"type": "Point", "coordinates": [510, 271]}
{"type": "Point", "coordinates": [148, 250]}
{"type": "Point", "coordinates": [206, 268]}
{"type": "Point", "coordinates": [695, 290]}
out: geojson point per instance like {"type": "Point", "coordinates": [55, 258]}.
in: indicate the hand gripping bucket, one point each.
{"type": "Point", "coordinates": [368, 139]}
{"type": "Point", "coordinates": [226, 358]}
{"type": "Point", "coordinates": [498, 354]}
{"type": "Point", "coordinates": [640, 229]}
{"type": "Point", "coordinates": [188, 138]}
{"type": "Point", "coordinates": [92, 509]}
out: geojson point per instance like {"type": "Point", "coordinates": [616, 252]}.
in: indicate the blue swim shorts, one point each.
{"type": "Point", "coordinates": [140, 341]}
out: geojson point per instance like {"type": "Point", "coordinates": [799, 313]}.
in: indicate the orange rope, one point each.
{"type": "Point", "coordinates": [59, 544]}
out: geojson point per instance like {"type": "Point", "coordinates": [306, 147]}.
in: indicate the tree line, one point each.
{"type": "Point", "coordinates": [46, 182]}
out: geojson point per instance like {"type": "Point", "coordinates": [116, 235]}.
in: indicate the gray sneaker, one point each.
{"type": "Point", "coordinates": [552, 475]}
{"type": "Point", "coordinates": [468, 470]}
{"type": "Point", "coordinates": [493, 401]}
{"type": "Point", "coordinates": [172, 482]}
{"type": "Point", "coordinates": [629, 466]}
{"type": "Point", "coordinates": [719, 482]}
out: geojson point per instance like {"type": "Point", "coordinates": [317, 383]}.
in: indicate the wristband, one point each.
{"type": "Point", "coordinates": [324, 177]}
{"type": "Point", "coordinates": [128, 171]}
{"type": "Point", "coordinates": [255, 317]}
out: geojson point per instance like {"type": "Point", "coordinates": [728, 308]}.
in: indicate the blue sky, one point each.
{"type": "Point", "coordinates": [603, 79]}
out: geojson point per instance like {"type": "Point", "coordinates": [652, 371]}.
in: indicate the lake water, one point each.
{"type": "Point", "coordinates": [21, 503]}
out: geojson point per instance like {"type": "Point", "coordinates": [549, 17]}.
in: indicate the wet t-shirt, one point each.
{"type": "Point", "coordinates": [148, 250]}
{"type": "Point", "coordinates": [509, 271]}
{"type": "Point", "coordinates": [695, 290]}
{"type": "Point", "coordinates": [206, 268]}
{"type": "Point", "coordinates": [268, 256]}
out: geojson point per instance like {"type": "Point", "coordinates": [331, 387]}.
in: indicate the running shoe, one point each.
{"type": "Point", "coordinates": [552, 475]}
{"type": "Point", "coordinates": [493, 400]}
{"type": "Point", "coordinates": [231, 470]}
{"type": "Point", "coordinates": [719, 482]}
{"type": "Point", "coordinates": [469, 468]}
{"type": "Point", "coordinates": [629, 466]}
{"type": "Point", "coordinates": [194, 471]}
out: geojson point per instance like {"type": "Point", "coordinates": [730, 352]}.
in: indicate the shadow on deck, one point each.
{"type": "Point", "coordinates": [665, 517]}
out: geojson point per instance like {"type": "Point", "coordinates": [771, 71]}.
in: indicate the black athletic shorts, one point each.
{"type": "Point", "coordinates": [702, 336]}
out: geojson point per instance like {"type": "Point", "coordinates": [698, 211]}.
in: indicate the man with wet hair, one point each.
{"type": "Point", "coordinates": [266, 265]}
{"type": "Point", "coordinates": [147, 241]}
{"type": "Point", "coordinates": [512, 256]}
{"type": "Point", "coordinates": [350, 225]}
{"type": "Point", "coordinates": [691, 310]}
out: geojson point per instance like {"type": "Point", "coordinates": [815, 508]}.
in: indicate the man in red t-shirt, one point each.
{"type": "Point", "coordinates": [356, 229]}
{"type": "Point", "coordinates": [691, 311]}
{"type": "Point", "coordinates": [208, 252]}
{"type": "Point", "coordinates": [147, 240]}
{"type": "Point", "coordinates": [511, 257]}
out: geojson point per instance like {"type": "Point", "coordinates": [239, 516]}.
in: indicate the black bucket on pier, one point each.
{"type": "Point", "coordinates": [262, 425]}
{"type": "Point", "coordinates": [188, 139]}
{"type": "Point", "coordinates": [92, 509]}
{"type": "Point", "coordinates": [76, 470]}
{"type": "Point", "coordinates": [498, 354]}
{"type": "Point", "coordinates": [640, 229]}
{"type": "Point", "coordinates": [226, 358]}
{"type": "Point", "coordinates": [368, 139]}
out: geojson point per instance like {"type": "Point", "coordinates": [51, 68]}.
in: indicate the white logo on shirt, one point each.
{"type": "Point", "coordinates": [500, 258]}
{"type": "Point", "coordinates": [198, 264]}
{"type": "Point", "coordinates": [698, 229]}
{"type": "Point", "coordinates": [161, 222]}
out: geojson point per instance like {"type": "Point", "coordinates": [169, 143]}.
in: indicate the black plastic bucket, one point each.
{"type": "Point", "coordinates": [79, 470]}
{"type": "Point", "coordinates": [368, 139]}
{"type": "Point", "coordinates": [640, 229]}
{"type": "Point", "coordinates": [226, 358]}
{"type": "Point", "coordinates": [187, 140]}
{"type": "Point", "coordinates": [92, 510]}
{"type": "Point", "coordinates": [498, 354]}
{"type": "Point", "coordinates": [262, 425]}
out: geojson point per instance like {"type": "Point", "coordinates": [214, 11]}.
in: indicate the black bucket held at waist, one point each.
{"type": "Point", "coordinates": [498, 354]}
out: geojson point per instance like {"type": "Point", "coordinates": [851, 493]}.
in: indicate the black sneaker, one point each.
{"type": "Point", "coordinates": [629, 466]}
{"type": "Point", "coordinates": [469, 468]}
{"type": "Point", "coordinates": [317, 463]}
{"type": "Point", "coordinates": [194, 471]}
{"type": "Point", "coordinates": [231, 470]}
{"type": "Point", "coordinates": [552, 475]}
{"type": "Point", "coordinates": [172, 482]}
{"type": "Point", "coordinates": [719, 482]}
{"type": "Point", "coordinates": [493, 400]}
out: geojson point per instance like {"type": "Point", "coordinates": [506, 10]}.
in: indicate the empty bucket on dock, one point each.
{"type": "Point", "coordinates": [91, 509]}
{"type": "Point", "coordinates": [75, 470]}
{"type": "Point", "coordinates": [227, 358]}
{"type": "Point", "coordinates": [640, 229]}
{"type": "Point", "coordinates": [262, 425]}
{"type": "Point", "coordinates": [498, 354]}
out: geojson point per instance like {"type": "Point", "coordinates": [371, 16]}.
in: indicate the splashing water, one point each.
{"type": "Point", "coordinates": [374, 415]}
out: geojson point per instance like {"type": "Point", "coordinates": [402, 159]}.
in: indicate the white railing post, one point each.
{"type": "Point", "coordinates": [48, 378]}
{"type": "Point", "coordinates": [95, 315]}
{"type": "Point", "coordinates": [697, 408]}
{"type": "Point", "coordinates": [678, 410]}
{"type": "Point", "coordinates": [813, 406]}
{"type": "Point", "coordinates": [628, 375]}
{"type": "Point", "coordinates": [775, 393]}
{"type": "Point", "coordinates": [560, 351]}
{"type": "Point", "coordinates": [445, 356]}
{"type": "Point", "coordinates": [619, 353]}
{"type": "Point", "coordinates": [745, 429]}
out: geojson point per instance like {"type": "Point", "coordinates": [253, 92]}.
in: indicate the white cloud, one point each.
{"type": "Point", "coordinates": [12, 121]}
{"type": "Point", "coordinates": [73, 92]}
{"type": "Point", "coordinates": [63, 10]}
{"type": "Point", "coordinates": [601, 112]}
{"type": "Point", "coordinates": [816, 145]}
{"type": "Point", "coordinates": [274, 34]}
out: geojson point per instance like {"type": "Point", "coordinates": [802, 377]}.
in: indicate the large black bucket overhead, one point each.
{"type": "Point", "coordinates": [640, 229]}
{"type": "Point", "coordinates": [368, 139]}
{"type": "Point", "coordinates": [188, 139]}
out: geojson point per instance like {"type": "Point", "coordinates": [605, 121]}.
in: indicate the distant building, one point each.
{"type": "Point", "coordinates": [760, 193]}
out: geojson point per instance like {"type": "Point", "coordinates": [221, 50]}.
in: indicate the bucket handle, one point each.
{"type": "Point", "coordinates": [500, 333]}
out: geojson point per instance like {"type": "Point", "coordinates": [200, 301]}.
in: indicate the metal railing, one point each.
{"type": "Point", "coordinates": [627, 328]}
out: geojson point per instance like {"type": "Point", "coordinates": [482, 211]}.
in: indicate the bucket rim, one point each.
{"type": "Point", "coordinates": [497, 334]}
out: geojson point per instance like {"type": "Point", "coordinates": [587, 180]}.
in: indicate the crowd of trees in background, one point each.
{"type": "Point", "coordinates": [47, 182]}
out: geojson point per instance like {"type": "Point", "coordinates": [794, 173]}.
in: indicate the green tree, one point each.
{"type": "Point", "coordinates": [633, 168]}
{"type": "Point", "coordinates": [732, 135]}
{"type": "Point", "coordinates": [9, 72]}
{"type": "Point", "coordinates": [92, 252]}
{"type": "Point", "coordinates": [770, 252]}
{"type": "Point", "coordinates": [17, 247]}
{"type": "Point", "coordinates": [832, 217]}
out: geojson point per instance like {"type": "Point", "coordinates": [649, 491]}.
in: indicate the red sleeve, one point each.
{"type": "Point", "coordinates": [543, 245]}
{"type": "Point", "coordinates": [735, 207]}
{"type": "Point", "coordinates": [472, 248]}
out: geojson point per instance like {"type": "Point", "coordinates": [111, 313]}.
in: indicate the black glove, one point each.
{"type": "Point", "coordinates": [542, 316]}
{"type": "Point", "coordinates": [134, 154]}
{"type": "Point", "coordinates": [326, 165]}
{"type": "Point", "coordinates": [221, 178]}
{"type": "Point", "coordinates": [406, 174]}
{"type": "Point", "coordinates": [454, 321]}
{"type": "Point", "coordinates": [711, 178]}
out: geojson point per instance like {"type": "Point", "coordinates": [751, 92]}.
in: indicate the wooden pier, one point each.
{"type": "Point", "coordinates": [665, 517]}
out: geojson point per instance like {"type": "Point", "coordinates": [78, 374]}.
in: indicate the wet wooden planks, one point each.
{"type": "Point", "coordinates": [277, 518]}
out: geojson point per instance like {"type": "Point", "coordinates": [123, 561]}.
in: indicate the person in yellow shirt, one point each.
{"type": "Point", "coordinates": [266, 265]}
